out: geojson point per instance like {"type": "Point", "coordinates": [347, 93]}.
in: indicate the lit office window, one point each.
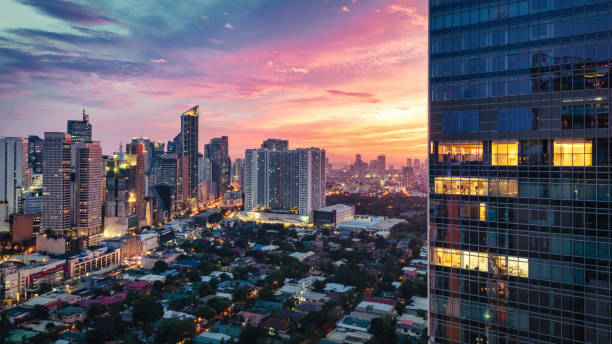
{"type": "Point", "coordinates": [573, 153]}
{"type": "Point", "coordinates": [483, 211]}
{"type": "Point", "coordinates": [446, 257]}
{"type": "Point", "coordinates": [518, 266]}
{"type": "Point", "coordinates": [480, 261]}
{"type": "Point", "coordinates": [461, 186]}
{"type": "Point", "coordinates": [504, 153]}
{"type": "Point", "coordinates": [503, 187]}
{"type": "Point", "coordinates": [459, 152]}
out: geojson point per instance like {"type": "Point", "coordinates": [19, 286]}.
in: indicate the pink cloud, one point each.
{"type": "Point", "coordinates": [158, 60]}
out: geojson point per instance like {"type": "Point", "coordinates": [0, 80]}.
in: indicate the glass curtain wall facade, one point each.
{"type": "Point", "coordinates": [520, 171]}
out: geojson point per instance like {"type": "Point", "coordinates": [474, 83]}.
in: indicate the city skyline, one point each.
{"type": "Point", "coordinates": [343, 81]}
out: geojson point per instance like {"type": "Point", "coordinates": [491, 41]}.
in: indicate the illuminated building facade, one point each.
{"type": "Point", "coordinates": [189, 153]}
{"type": "Point", "coordinates": [217, 150]}
{"type": "Point", "coordinates": [80, 131]}
{"type": "Point", "coordinates": [288, 179]}
{"type": "Point", "coordinates": [87, 188]}
{"type": "Point", "coordinates": [519, 171]}
{"type": "Point", "coordinates": [56, 181]}
{"type": "Point", "coordinates": [13, 164]}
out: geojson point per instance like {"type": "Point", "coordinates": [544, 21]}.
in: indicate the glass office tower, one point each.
{"type": "Point", "coordinates": [520, 171]}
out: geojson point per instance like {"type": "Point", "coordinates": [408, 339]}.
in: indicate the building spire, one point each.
{"type": "Point", "coordinates": [85, 116]}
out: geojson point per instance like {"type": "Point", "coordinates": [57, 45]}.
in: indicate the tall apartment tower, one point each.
{"type": "Point", "coordinates": [13, 165]}
{"type": "Point", "coordinates": [35, 144]}
{"type": "Point", "coordinates": [290, 179]}
{"type": "Point", "coordinates": [56, 181]}
{"type": "Point", "coordinates": [189, 153]}
{"type": "Point", "coordinates": [381, 164]}
{"type": "Point", "coordinates": [87, 188]}
{"type": "Point", "coordinates": [311, 180]}
{"type": "Point", "coordinates": [217, 150]}
{"type": "Point", "coordinates": [275, 144]}
{"type": "Point", "coordinates": [520, 171]}
{"type": "Point", "coordinates": [140, 185]}
{"type": "Point", "coordinates": [80, 131]}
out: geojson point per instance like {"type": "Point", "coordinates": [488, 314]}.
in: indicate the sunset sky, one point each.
{"type": "Point", "coordinates": [345, 75]}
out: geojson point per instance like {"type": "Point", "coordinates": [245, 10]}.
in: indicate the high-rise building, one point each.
{"type": "Point", "coordinates": [189, 154]}
{"type": "Point", "coordinates": [312, 180]}
{"type": "Point", "coordinates": [360, 167]}
{"type": "Point", "coordinates": [519, 172]}
{"type": "Point", "coordinates": [13, 165]}
{"type": "Point", "coordinates": [35, 144]}
{"type": "Point", "coordinates": [217, 150]}
{"type": "Point", "coordinates": [408, 162]}
{"type": "Point", "coordinates": [237, 171]}
{"type": "Point", "coordinates": [140, 186]}
{"type": "Point", "coordinates": [56, 181]}
{"type": "Point", "coordinates": [80, 131]}
{"type": "Point", "coordinates": [373, 167]}
{"type": "Point", "coordinates": [381, 164]}
{"type": "Point", "coordinates": [417, 164]}
{"type": "Point", "coordinates": [275, 144]}
{"type": "Point", "coordinates": [87, 188]}
{"type": "Point", "coordinates": [264, 180]}
{"type": "Point", "coordinates": [289, 179]}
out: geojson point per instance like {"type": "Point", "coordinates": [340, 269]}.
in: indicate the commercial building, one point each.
{"type": "Point", "coordinates": [87, 188]}
{"type": "Point", "coordinates": [333, 215]}
{"type": "Point", "coordinates": [80, 131]}
{"type": "Point", "coordinates": [140, 186]}
{"type": "Point", "coordinates": [56, 181]}
{"type": "Point", "coordinates": [289, 179]}
{"type": "Point", "coordinates": [23, 226]}
{"type": "Point", "coordinates": [519, 171]}
{"type": "Point", "coordinates": [217, 150]}
{"type": "Point", "coordinates": [189, 154]}
{"type": "Point", "coordinates": [381, 165]}
{"type": "Point", "coordinates": [16, 278]}
{"type": "Point", "coordinates": [93, 259]}
{"type": "Point", "coordinates": [35, 147]}
{"type": "Point", "coordinates": [13, 166]}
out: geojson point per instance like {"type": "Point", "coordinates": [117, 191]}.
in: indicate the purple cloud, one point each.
{"type": "Point", "coordinates": [70, 11]}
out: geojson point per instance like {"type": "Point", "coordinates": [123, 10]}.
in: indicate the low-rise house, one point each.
{"type": "Point", "coordinates": [253, 319]}
{"type": "Point", "coordinates": [141, 287]}
{"type": "Point", "coordinates": [50, 303]}
{"type": "Point", "coordinates": [277, 327]}
{"type": "Point", "coordinates": [341, 335]}
{"type": "Point", "coordinates": [179, 315]}
{"type": "Point", "coordinates": [213, 338]}
{"type": "Point", "coordinates": [70, 314]}
{"type": "Point", "coordinates": [377, 308]}
{"type": "Point", "coordinates": [15, 314]}
{"type": "Point", "coordinates": [338, 288]}
{"type": "Point", "coordinates": [21, 336]}
{"type": "Point", "coordinates": [230, 330]}
{"type": "Point", "coordinates": [311, 296]}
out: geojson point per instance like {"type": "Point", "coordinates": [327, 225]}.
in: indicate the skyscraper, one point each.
{"type": "Point", "coordinates": [189, 153]}
{"type": "Point", "coordinates": [35, 144]}
{"type": "Point", "coordinates": [275, 144]}
{"type": "Point", "coordinates": [519, 171]}
{"type": "Point", "coordinates": [311, 180]}
{"type": "Point", "coordinates": [289, 179]}
{"type": "Point", "coordinates": [217, 151]}
{"type": "Point", "coordinates": [381, 164]}
{"type": "Point", "coordinates": [56, 181]}
{"type": "Point", "coordinates": [87, 188]}
{"type": "Point", "coordinates": [13, 163]}
{"type": "Point", "coordinates": [80, 131]}
{"type": "Point", "coordinates": [140, 186]}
